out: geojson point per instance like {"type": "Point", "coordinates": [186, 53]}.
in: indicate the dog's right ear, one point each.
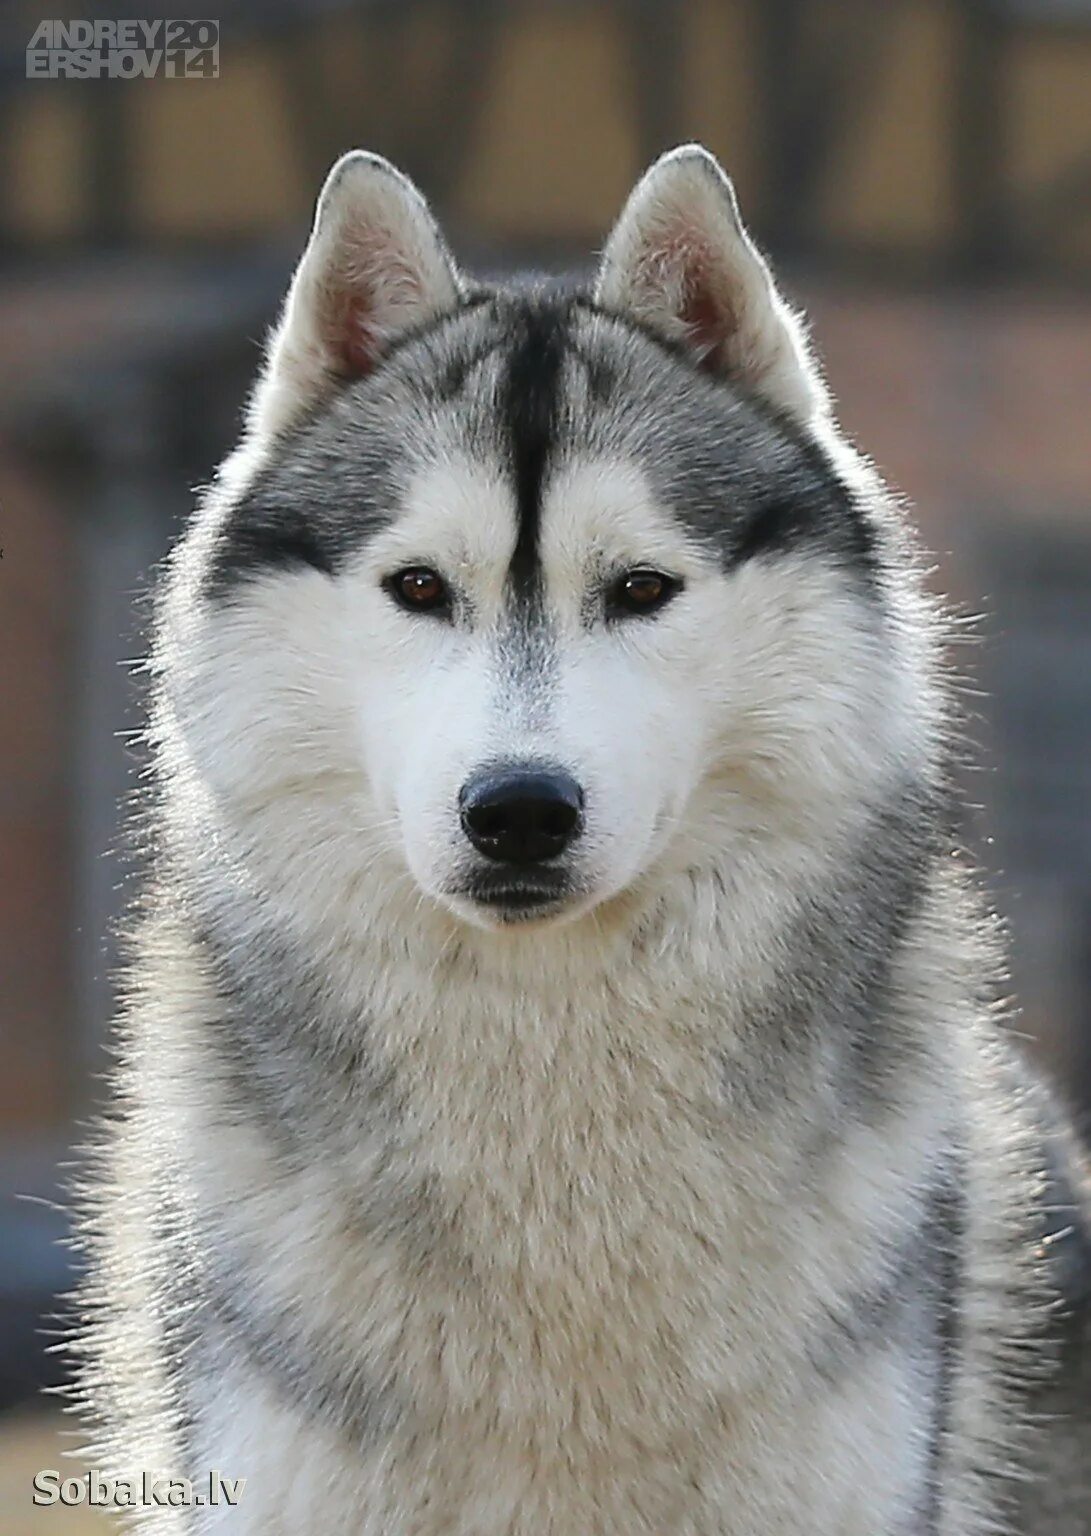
{"type": "Point", "coordinates": [681, 262]}
{"type": "Point", "coordinates": [376, 265]}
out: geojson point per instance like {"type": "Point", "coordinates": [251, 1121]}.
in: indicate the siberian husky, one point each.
{"type": "Point", "coordinates": [563, 1090]}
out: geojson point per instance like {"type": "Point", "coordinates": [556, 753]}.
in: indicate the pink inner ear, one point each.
{"type": "Point", "coordinates": [698, 299]}
{"type": "Point", "coordinates": [353, 340]}
{"type": "Point", "coordinates": [375, 290]}
{"type": "Point", "coordinates": [704, 311]}
{"type": "Point", "coordinates": [704, 321]}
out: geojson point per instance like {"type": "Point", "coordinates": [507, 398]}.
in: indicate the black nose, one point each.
{"type": "Point", "coordinates": [521, 814]}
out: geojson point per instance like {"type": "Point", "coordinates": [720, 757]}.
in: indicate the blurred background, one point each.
{"type": "Point", "coordinates": [920, 170]}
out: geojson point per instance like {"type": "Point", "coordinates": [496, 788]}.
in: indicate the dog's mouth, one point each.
{"type": "Point", "coordinates": [514, 896]}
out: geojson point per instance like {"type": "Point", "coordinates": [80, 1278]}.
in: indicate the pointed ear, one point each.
{"type": "Point", "coordinates": [376, 264]}
{"type": "Point", "coordinates": [679, 260]}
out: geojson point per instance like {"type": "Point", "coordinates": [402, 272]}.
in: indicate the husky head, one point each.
{"type": "Point", "coordinates": [524, 601]}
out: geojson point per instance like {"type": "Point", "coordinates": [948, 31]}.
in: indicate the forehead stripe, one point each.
{"type": "Point", "coordinates": [530, 410]}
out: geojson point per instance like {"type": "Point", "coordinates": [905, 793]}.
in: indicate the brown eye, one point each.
{"type": "Point", "coordinates": [419, 589]}
{"type": "Point", "coordinates": [641, 591]}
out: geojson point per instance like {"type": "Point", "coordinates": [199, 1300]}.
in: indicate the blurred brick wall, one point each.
{"type": "Point", "coordinates": [965, 400]}
{"type": "Point", "coordinates": [38, 672]}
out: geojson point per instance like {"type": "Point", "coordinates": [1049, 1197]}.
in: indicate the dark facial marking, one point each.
{"type": "Point", "coordinates": [602, 376]}
{"type": "Point", "coordinates": [818, 514]}
{"type": "Point", "coordinates": [529, 410]}
{"type": "Point", "coordinates": [311, 507]}
{"type": "Point", "coordinates": [268, 538]}
{"type": "Point", "coordinates": [775, 526]}
{"type": "Point", "coordinates": [453, 377]}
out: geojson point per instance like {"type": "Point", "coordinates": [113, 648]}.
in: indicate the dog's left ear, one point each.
{"type": "Point", "coordinates": [680, 261]}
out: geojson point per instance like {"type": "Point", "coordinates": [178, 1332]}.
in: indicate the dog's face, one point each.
{"type": "Point", "coordinates": [531, 598]}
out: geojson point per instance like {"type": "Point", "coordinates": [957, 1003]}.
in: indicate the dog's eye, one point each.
{"type": "Point", "coordinates": [641, 591]}
{"type": "Point", "coordinates": [420, 589]}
